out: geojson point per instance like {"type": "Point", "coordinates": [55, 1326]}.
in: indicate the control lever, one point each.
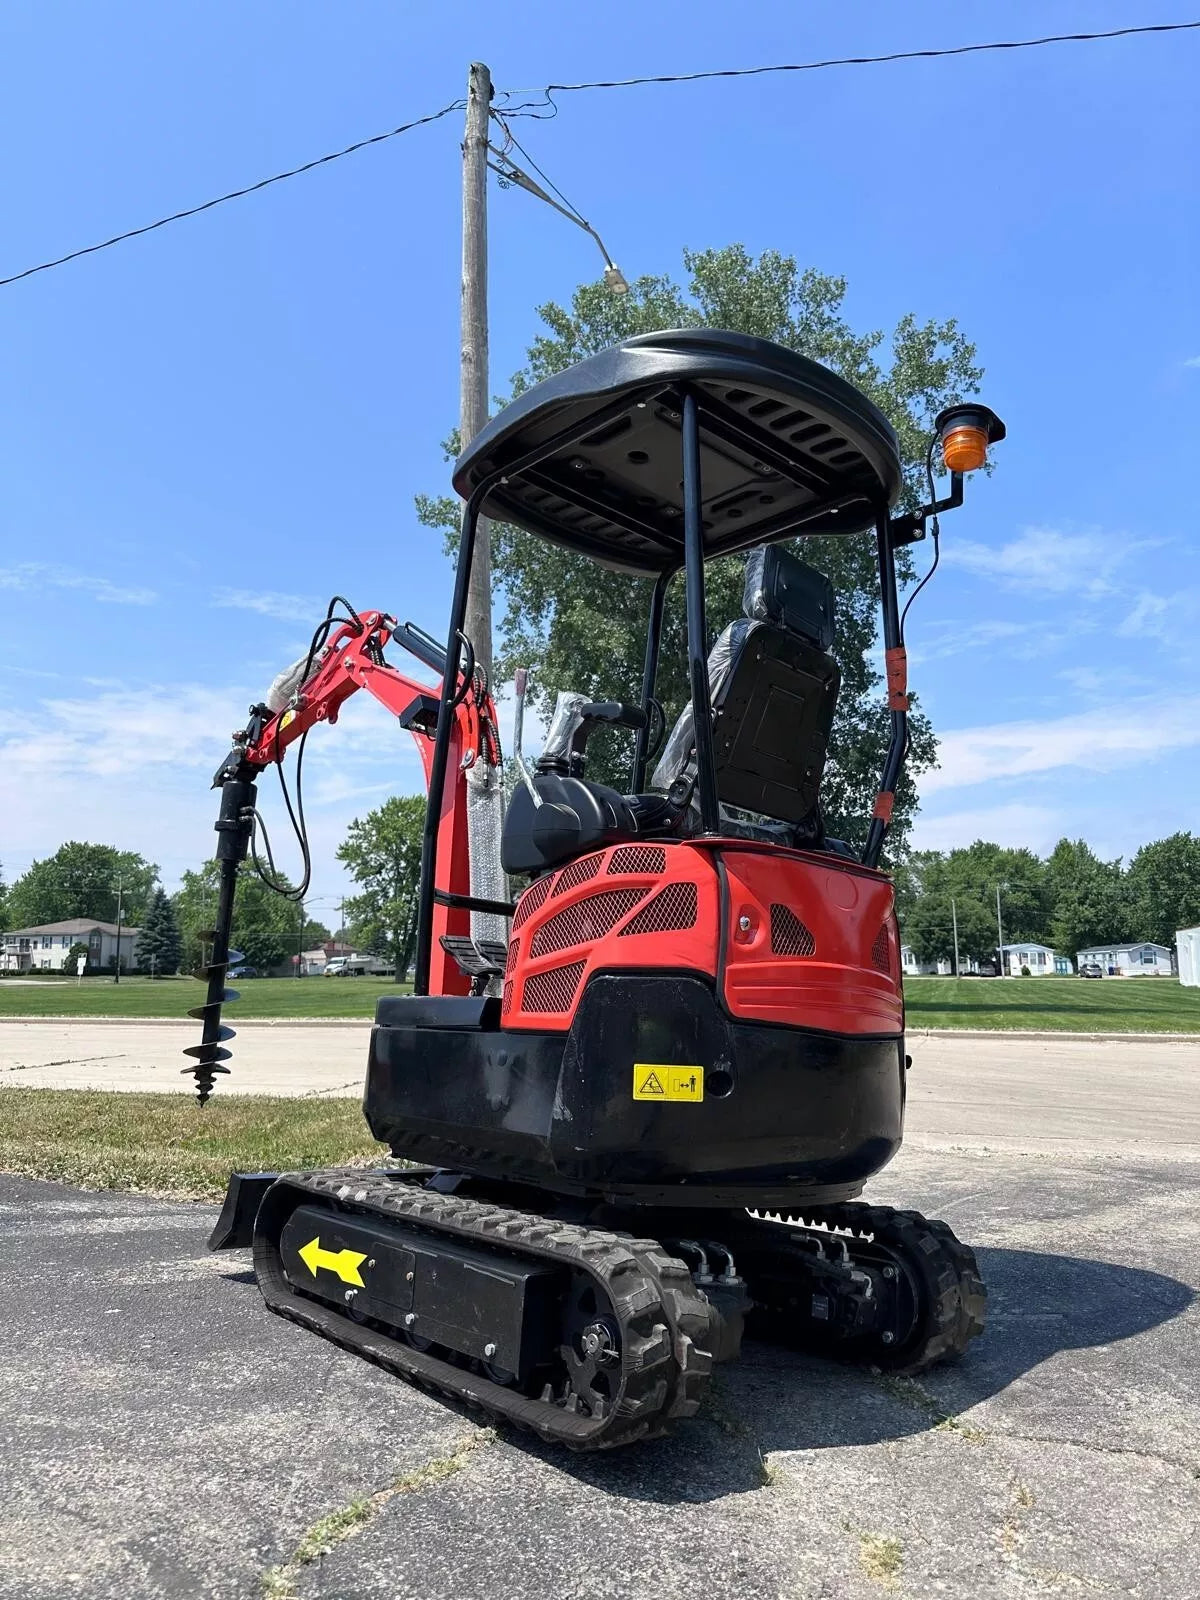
{"type": "Point", "coordinates": [519, 683]}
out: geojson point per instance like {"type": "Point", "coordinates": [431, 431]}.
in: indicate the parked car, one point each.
{"type": "Point", "coordinates": [243, 972]}
{"type": "Point", "coordinates": [1091, 969]}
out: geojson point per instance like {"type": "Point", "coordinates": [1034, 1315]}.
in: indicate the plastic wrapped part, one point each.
{"type": "Point", "coordinates": [288, 681]}
{"type": "Point", "coordinates": [678, 749]}
{"type": "Point", "coordinates": [563, 726]}
{"type": "Point", "coordinates": [781, 588]}
{"type": "Point", "coordinates": [485, 823]}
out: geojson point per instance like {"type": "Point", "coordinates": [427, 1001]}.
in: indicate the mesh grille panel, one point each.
{"type": "Point", "coordinates": [578, 872]}
{"type": "Point", "coordinates": [531, 900]}
{"type": "Point", "coordinates": [513, 946]}
{"type": "Point", "coordinates": [638, 858]}
{"type": "Point", "coordinates": [881, 951]}
{"type": "Point", "coordinates": [672, 907]}
{"type": "Point", "coordinates": [589, 919]}
{"type": "Point", "coordinates": [553, 990]}
{"type": "Point", "coordinates": [789, 936]}
{"type": "Point", "coordinates": [506, 1004]}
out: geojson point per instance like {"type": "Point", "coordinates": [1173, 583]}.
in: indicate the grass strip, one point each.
{"type": "Point", "coordinates": [166, 1145]}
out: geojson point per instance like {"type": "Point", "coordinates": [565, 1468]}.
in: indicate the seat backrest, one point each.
{"type": "Point", "coordinates": [774, 693]}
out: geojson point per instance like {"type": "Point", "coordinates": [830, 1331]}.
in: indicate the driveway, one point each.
{"type": "Point", "coordinates": [162, 1435]}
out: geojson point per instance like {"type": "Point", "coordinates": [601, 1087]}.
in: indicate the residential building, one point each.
{"type": "Point", "coordinates": [1187, 959]}
{"type": "Point", "coordinates": [44, 949]}
{"type": "Point", "coordinates": [1039, 958]}
{"type": "Point", "coordinates": [942, 968]}
{"type": "Point", "coordinates": [1129, 960]}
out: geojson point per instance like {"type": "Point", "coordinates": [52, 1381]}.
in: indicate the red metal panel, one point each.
{"type": "Point", "coordinates": [635, 938]}
{"type": "Point", "coordinates": [838, 987]}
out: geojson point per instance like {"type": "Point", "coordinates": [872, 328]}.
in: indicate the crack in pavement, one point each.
{"type": "Point", "coordinates": [68, 1061]}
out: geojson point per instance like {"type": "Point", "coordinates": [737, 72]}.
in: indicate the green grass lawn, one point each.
{"type": "Point", "coordinates": [171, 997]}
{"type": "Point", "coordinates": [1135, 1005]}
{"type": "Point", "coordinates": [165, 1144]}
{"type": "Point", "coordinates": [1075, 1005]}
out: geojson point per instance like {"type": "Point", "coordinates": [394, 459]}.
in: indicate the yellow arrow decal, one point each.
{"type": "Point", "coordinates": [344, 1262]}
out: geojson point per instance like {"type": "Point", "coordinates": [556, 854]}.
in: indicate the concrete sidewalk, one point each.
{"type": "Point", "coordinates": [1044, 1095]}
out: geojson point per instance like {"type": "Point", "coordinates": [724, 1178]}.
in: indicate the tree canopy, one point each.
{"type": "Point", "coordinates": [1073, 900]}
{"type": "Point", "coordinates": [579, 626]}
{"type": "Point", "coordinates": [266, 927]}
{"type": "Point", "coordinates": [80, 880]}
{"type": "Point", "coordinates": [382, 853]}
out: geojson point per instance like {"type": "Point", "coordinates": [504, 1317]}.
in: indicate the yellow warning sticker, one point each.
{"type": "Point", "coordinates": [667, 1083]}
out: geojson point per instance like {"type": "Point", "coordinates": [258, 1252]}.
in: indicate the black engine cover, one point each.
{"type": "Point", "coordinates": [778, 1114]}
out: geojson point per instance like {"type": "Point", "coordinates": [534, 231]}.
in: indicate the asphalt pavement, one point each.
{"type": "Point", "coordinates": [161, 1435]}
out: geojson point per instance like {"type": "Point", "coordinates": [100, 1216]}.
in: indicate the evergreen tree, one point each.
{"type": "Point", "coordinates": [160, 944]}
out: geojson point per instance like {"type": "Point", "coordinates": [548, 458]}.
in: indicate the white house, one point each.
{"type": "Point", "coordinates": [1129, 960]}
{"type": "Point", "coordinates": [1187, 947]}
{"type": "Point", "coordinates": [942, 968]}
{"type": "Point", "coordinates": [44, 949]}
{"type": "Point", "coordinates": [1039, 958]}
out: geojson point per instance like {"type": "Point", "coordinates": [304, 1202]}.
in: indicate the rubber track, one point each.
{"type": "Point", "coordinates": [955, 1295]}
{"type": "Point", "coordinates": [664, 1322]}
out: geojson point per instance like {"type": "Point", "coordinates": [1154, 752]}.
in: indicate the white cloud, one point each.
{"type": "Point", "coordinates": [270, 603]}
{"type": "Point", "coordinates": [1046, 561]}
{"type": "Point", "coordinates": [1192, 361]}
{"type": "Point", "coordinates": [32, 575]}
{"type": "Point", "coordinates": [1036, 827]}
{"type": "Point", "coordinates": [1147, 618]}
{"type": "Point", "coordinates": [1098, 741]}
{"type": "Point", "coordinates": [132, 766]}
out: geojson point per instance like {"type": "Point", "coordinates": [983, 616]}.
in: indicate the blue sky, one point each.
{"type": "Point", "coordinates": [205, 432]}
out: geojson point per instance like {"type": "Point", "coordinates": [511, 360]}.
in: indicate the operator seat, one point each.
{"type": "Point", "coordinates": [773, 687]}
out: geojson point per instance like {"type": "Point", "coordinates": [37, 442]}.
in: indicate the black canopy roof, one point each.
{"type": "Point", "coordinates": [787, 447]}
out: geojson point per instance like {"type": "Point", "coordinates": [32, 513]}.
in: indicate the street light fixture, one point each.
{"type": "Point", "coordinates": [508, 172]}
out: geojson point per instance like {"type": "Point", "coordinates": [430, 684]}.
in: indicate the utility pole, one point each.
{"type": "Point", "coordinates": [300, 943]}
{"type": "Point", "coordinates": [1000, 931]}
{"type": "Point", "coordinates": [120, 908]}
{"type": "Point", "coordinates": [485, 789]}
{"type": "Point", "coordinates": [954, 917]}
{"type": "Point", "coordinates": [473, 370]}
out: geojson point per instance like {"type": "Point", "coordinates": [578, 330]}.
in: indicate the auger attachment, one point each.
{"type": "Point", "coordinates": [233, 826]}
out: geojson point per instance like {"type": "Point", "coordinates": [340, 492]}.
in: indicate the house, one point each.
{"type": "Point", "coordinates": [44, 949]}
{"type": "Point", "coordinates": [943, 967]}
{"type": "Point", "coordinates": [1187, 946]}
{"type": "Point", "coordinates": [1129, 960]}
{"type": "Point", "coordinates": [1039, 958]}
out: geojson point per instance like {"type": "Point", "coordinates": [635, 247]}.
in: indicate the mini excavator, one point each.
{"type": "Point", "coordinates": [634, 1126]}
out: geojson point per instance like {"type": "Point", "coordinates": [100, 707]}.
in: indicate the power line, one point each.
{"type": "Point", "coordinates": [532, 108]}
{"type": "Point", "coordinates": [234, 194]}
{"type": "Point", "coordinates": [844, 61]}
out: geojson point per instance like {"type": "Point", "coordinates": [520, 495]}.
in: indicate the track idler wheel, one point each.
{"type": "Point", "coordinates": [891, 1289]}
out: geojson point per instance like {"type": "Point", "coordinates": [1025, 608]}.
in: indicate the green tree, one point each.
{"type": "Point", "coordinates": [969, 877]}
{"type": "Point", "coordinates": [76, 954]}
{"type": "Point", "coordinates": [80, 880]}
{"type": "Point", "coordinates": [382, 853]}
{"type": "Point", "coordinates": [265, 925]}
{"type": "Point", "coordinates": [579, 626]}
{"type": "Point", "coordinates": [932, 889]}
{"type": "Point", "coordinates": [315, 933]}
{"type": "Point", "coordinates": [1087, 896]}
{"type": "Point", "coordinates": [1163, 889]}
{"type": "Point", "coordinates": [160, 944]}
